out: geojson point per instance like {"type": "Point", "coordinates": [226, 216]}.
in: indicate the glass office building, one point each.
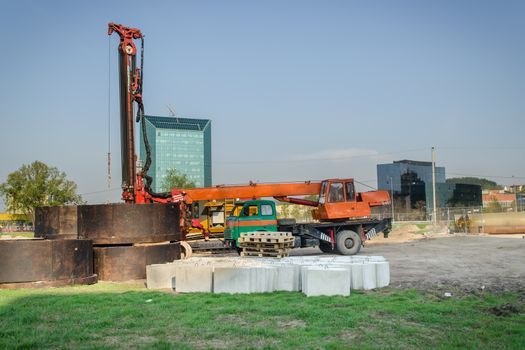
{"type": "Point", "coordinates": [407, 172]}
{"type": "Point", "coordinates": [411, 182]}
{"type": "Point", "coordinates": [177, 143]}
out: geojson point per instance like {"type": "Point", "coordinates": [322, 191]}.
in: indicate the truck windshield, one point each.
{"type": "Point", "coordinates": [322, 195]}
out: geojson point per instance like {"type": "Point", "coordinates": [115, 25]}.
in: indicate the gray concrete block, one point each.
{"type": "Point", "coordinates": [191, 279]}
{"type": "Point", "coordinates": [160, 276]}
{"type": "Point", "coordinates": [382, 274]}
{"type": "Point", "coordinates": [232, 280]}
{"type": "Point", "coordinates": [327, 281]}
{"type": "Point", "coordinates": [262, 279]}
{"type": "Point", "coordinates": [287, 278]}
{"type": "Point", "coordinates": [369, 276]}
{"type": "Point", "coordinates": [364, 276]}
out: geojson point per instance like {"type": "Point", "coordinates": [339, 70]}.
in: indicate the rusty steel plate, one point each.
{"type": "Point", "coordinates": [127, 263]}
{"type": "Point", "coordinates": [128, 223]}
{"type": "Point", "coordinates": [56, 222]}
{"type": "Point", "coordinates": [45, 260]}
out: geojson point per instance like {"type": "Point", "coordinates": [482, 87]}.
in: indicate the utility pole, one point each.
{"type": "Point", "coordinates": [434, 211]}
{"type": "Point", "coordinates": [392, 196]}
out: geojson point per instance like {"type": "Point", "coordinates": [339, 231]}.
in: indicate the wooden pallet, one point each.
{"type": "Point", "coordinates": [265, 240]}
{"type": "Point", "coordinates": [264, 245]}
{"type": "Point", "coordinates": [265, 254]}
{"type": "Point", "coordinates": [266, 234]}
{"type": "Point", "coordinates": [264, 250]}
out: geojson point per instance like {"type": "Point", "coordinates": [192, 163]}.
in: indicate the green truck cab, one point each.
{"type": "Point", "coordinates": [249, 216]}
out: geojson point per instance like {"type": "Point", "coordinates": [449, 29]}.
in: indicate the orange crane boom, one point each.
{"type": "Point", "coordinates": [251, 191]}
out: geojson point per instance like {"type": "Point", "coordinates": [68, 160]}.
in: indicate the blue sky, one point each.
{"type": "Point", "coordinates": [296, 90]}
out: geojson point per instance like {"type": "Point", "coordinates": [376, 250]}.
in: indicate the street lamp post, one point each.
{"type": "Point", "coordinates": [392, 196]}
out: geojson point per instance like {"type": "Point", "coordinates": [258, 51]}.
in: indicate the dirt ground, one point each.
{"type": "Point", "coordinates": [449, 262]}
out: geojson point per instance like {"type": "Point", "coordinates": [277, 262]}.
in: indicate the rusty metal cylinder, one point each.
{"type": "Point", "coordinates": [109, 223]}
{"type": "Point", "coordinates": [128, 223]}
{"type": "Point", "coordinates": [39, 263]}
{"type": "Point", "coordinates": [124, 263]}
{"type": "Point", "coordinates": [56, 222]}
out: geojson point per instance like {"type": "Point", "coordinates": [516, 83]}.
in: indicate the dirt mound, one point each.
{"type": "Point", "coordinates": [410, 232]}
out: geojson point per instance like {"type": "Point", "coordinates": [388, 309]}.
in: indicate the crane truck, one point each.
{"type": "Point", "coordinates": [344, 218]}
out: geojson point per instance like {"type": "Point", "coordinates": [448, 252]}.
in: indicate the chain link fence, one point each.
{"type": "Point", "coordinates": [471, 219]}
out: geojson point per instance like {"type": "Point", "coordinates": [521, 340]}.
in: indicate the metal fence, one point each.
{"type": "Point", "coordinates": [470, 219]}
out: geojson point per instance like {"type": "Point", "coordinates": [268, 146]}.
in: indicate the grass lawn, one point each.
{"type": "Point", "coordinates": [125, 316]}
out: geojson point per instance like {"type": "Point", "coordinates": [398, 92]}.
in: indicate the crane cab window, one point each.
{"type": "Point", "coordinates": [350, 192]}
{"type": "Point", "coordinates": [322, 195]}
{"type": "Point", "coordinates": [335, 194]}
{"type": "Point", "coordinates": [250, 210]}
{"type": "Point", "coordinates": [266, 209]}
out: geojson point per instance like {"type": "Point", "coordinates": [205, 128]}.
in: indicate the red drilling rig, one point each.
{"type": "Point", "coordinates": [349, 206]}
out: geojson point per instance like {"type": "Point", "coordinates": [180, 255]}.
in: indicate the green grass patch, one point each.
{"type": "Point", "coordinates": [107, 316]}
{"type": "Point", "coordinates": [421, 226]}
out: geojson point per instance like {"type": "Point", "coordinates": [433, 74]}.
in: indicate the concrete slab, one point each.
{"type": "Point", "coordinates": [287, 278]}
{"type": "Point", "coordinates": [232, 280]}
{"type": "Point", "coordinates": [369, 276]}
{"type": "Point", "coordinates": [262, 279]}
{"type": "Point", "coordinates": [364, 276]}
{"type": "Point", "coordinates": [190, 279]}
{"type": "Point", "coordinates": [382, 274]}
{"type": "Point", "coordinates": [160, 276]}
{"type": "Point", "coordinates": [327, 281]}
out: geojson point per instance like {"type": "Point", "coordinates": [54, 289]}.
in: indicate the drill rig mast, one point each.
{"type": "Point", "coordinates": [130, 81]}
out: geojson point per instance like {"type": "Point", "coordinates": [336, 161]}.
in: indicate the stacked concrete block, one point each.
{"type": "Point", "coordinates": [287, 278]}
{"type": "Point", "coordinates": [262, 279]}
{"type": "Point", "coordinates": [194, 279]}
{"type": "Point", "coordinates": [314, 275]}
{"type": "Point", "coordinates": [382, 274]}
{"type": "Point", "coordinates": [326, 281]}
{"type": "Point", "coordinates": [363, 276]}
{"type": "Point", "coordinates": [160, 276]}
{"type": "Point", "coordinates": [232, 280]}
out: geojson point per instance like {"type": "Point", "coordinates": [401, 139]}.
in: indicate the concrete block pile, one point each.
{"type": "Point", "coordinates": [313, 275]}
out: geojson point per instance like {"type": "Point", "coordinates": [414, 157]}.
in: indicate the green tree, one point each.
{"type": "Point", "coordinates": [37, 184]}
{"type": "Point", "coordinates": [285, 208]}
{"type": "Point", "coordinates": [484, 183]}
{"type": "Point", "coordinates": [174, 179]}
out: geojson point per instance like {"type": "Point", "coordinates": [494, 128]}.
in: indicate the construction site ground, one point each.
{"type": "Point", "coordinates": [457, 263]}
{"type": "Point", "coordinates": [429, 259]}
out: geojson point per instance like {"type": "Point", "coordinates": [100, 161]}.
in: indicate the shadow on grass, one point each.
{"type": "Point", "coordinates": [75, 318]}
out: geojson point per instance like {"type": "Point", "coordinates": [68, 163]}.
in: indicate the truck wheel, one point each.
{"type": "Point", "coordinates": [348, 243]}
{"type": "Point", "coordinates": [284, 222]}
{"type": "Point", "coordinates": [326, 247]}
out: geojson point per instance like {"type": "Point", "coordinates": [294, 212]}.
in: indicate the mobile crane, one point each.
{"type": "Point", "coordinates": [345, 218]}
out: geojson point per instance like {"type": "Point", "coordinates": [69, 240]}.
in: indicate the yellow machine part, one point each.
{"type": "Point", "coordinates": [225, 207]}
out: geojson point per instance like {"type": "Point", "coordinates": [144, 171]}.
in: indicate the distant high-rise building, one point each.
{"type": "Point", "coordinates": [177, 143]}
{"type": "Point", "coordinates": [411, 182]}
